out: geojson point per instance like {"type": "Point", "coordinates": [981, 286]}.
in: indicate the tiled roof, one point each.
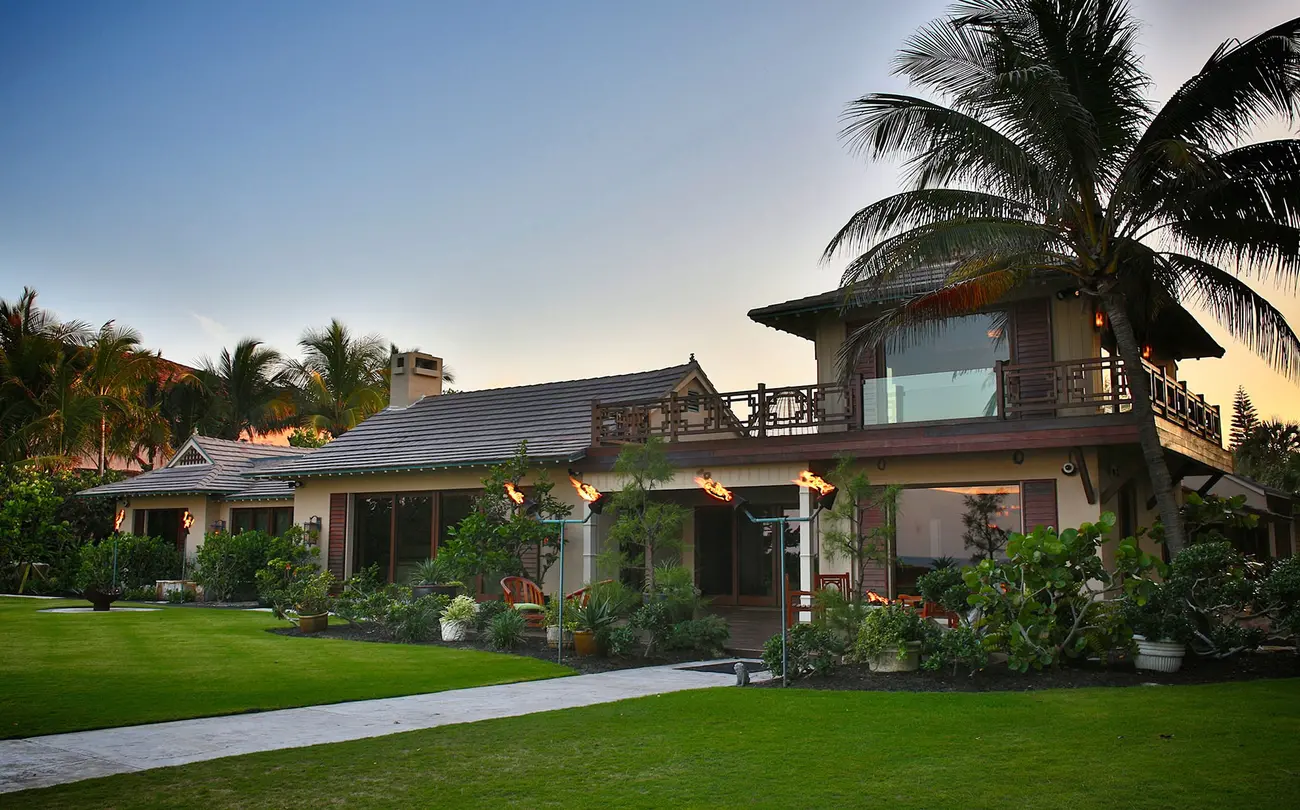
{"type": "Point", "coordinates": [224, 476]}
{"type": "Point", "coordinates": [477, 427]}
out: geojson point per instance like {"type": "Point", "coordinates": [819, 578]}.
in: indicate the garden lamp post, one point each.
{"type": "Point", "coordinates": [825, 500]}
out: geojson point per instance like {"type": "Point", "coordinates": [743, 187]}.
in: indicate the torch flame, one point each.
{"type": "Point", "coordinates": [187, 519]}
{"type": "Point", "coordinates": [118, 518]}
{"type": "Point", "coordinates": [514, 494]}
{"type": "Point", "coordinates": [585, 491]}
{"type": "Point", "coordinates": [813, 481]}
{"type": "Point", "coordinates": [874, 598]}
{"type": "Point", "coordinates": [714, 488]}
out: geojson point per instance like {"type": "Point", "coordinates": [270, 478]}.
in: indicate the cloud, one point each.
{"type": "Point", "coordinates": [213, 328]}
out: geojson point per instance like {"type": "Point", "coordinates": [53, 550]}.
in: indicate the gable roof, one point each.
{"type": "Point", "coordinates": [222, 475]}
{"type": "Point", "coordinates": [473, 428]}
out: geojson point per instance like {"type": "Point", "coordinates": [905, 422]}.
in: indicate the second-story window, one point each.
{"type": "Point", "coordinates": [949, 376]}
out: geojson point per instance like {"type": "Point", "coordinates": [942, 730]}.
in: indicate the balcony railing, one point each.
{"type": "Point", "coordinates": [1024, 391]}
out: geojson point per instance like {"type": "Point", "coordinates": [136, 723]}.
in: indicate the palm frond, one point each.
{"type": "Point", "coordinates": [1267, 250]}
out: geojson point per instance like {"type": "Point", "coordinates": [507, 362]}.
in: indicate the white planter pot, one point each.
{"type": "Point", "coordinates": [1158, 656]}
{"type": "Point", "coordinates": [454, 631]}
{"type": "Point", "coordinates": [553, 636]}
{"type": "Point", "coordinates": [891, 661]}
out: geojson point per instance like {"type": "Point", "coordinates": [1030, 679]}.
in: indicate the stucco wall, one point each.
{"type": "Point", "coordinates": [199, 505]}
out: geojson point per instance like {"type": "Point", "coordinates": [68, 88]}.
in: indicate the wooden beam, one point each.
{"type": "Point", "coordinates": [1081, 461]}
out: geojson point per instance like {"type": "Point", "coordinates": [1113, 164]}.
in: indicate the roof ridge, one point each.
{"type": "Point", "coordinates": [647, 372]}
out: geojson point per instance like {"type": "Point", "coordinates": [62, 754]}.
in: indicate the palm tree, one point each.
{"type": "Point", "coordinates": [341, 377]}
{"type": "Point", "coordinates": [247, 391]}
{"type": "Point", "coordinates": [118, 370]}
{"type": "Point", "coordinates": [1042, 157]}
{"type": "Point", "coordinates": [1270, 454]}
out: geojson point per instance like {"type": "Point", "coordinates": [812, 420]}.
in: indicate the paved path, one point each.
{"type": "Point", "coordinates": [59, 758]}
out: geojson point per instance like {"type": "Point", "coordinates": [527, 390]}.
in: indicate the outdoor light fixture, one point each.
{"type": "Point", "coordinates": [314, 524]}
{"type": "Point", "coordinates": [218, 526]}
{"type": "Point", "coordinates": [595, 499]}
{"type": "Point", "coordinates": [826, 491]}
{"type": "Point", "coordinates": [118, 518]}
{"type": "Point", "coordinates": [525, 504]}
{"type": "Point", "coordinates": [1146, 352]}
{"type": "Point", "coordinates": [187, 519]}
{"type": "Point", "coordinates": [1099, 319]}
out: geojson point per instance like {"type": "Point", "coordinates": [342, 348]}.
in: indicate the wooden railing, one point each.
{"type": "Point", "coordinates": [757, 413]}
{"type": "Point", "coordinates": [1099, 385]}
{"type": "Point", "coordinates": [1024, 391]}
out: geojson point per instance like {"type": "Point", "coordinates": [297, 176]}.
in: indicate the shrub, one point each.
{"type": "Point", "coordinates": [1280, 594]}
{"type": "Point", "coordinates": [142, 561]}
{"type": "Point", "coordinates": [181, 596]}
{"type": "Point", "coordinates": [363, 600]}
{"type": "Point", "coordinates": [707, 635]}
{"type": "Point", "coordinates": [506, 631]}
{"type": "Point", "coordinates": [595, 616]}
{"type": "Point", "coordinates": [958, 647]}
{"type": "Point", "coordinates": [140, 594]}
{"type": "Point", "coordinates": [810, 650]}
{"type": "Point", "coordinates": [434, 571]}
{"type": "Point", "coordinates": [656, 619]}
{"type": "Point", "coordinates": [890, 628]}
{"type": "Point", "coordinates": [1215, 585]}
{"type": "Point", "coordinates": [96, 569]}
{"type": "Point", "coordinates": [462, 609]}
{"type": "Point", "coordinates": [945, 587]}
{"type": "Point", "coordinates": [620, 641]}
{"type": "Point", "coordinates": [278, 580]}
{"type": "Point", "coordinates": [487, 611]}
{"type": "Point", "coordinates": [551, 613]}
{"type": "Point", "coordinates": [405, 619]}
{"type": "Point", "coordinates": [675, 588]}
{"type": "Point", "coordinates": [227, 564]}
{"type": "Point", "coordinates": [311, 595]}
{"type": "Point", "coordinates": [840, 616]}
{"type": "Point", "coordinates": [623, 599]}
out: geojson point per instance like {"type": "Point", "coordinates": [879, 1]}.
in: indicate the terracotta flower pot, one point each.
{"type": "Point", "coordinates": [313, 624]}
{"type": "Point", "coordinates": [584, 642]}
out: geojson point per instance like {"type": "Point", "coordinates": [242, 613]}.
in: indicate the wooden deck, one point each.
{"type": "Point", "coordinates": [750, 627]}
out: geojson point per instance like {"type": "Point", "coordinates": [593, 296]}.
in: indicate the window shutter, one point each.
{"type": "Point", "coordinates": [867, 367]}
{"type": "Point", "coordinates": [338, 533]}
{"type": "Point", "coordinates": [1038, 503]}
{"type": "Point", "coordinates": [137, 523]}
{"type": "Point", "coordinates": [1031, 342]}
{"type": "Point", "coordinates": [876, 576]}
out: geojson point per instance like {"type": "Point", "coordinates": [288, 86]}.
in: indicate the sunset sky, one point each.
{"type": "Point", "coordinates": [533, 191]}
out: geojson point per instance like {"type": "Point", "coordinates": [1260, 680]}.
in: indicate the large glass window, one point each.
{"type": "Point", "coordinates": [372, 528]}
{"type": "Point", "coordinates": [414, 526]}
{"type": "Point", "coordinates": [395, 531]}
{"type": "Point", "coordinates": [274, 520]}
{"type": "Point", "coordinates": [962, 523]}
{"type": "Point", "coordinates": [949, 377]}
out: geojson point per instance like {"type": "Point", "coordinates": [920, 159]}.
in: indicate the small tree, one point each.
{"type": "Point", "coordinates": [982, 535]}
{"type": "Point", "coordinates": [492, 539]}
{"type": "Point", "coordinates": [846, 533]}
{"type": "Point", "coordinates": [647, 531]}
{"type": "Point", "coordinates": [1244, 418]}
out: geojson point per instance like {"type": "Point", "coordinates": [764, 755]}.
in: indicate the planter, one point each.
{"type": "Point", "coordinates": [163, 587]}
{"type": "Point", "coordinates": [313, 624]}
{"type": "Point", "coordinates": [454, 631]}
{"type": "Point", "coordinates": [891, 661]}
{"type": "Point", "coordinates": [1158, 656]}
{"type": "Point", "coordinates": [421, 591]}
{"type": "Point", "coordinates": [100, 600]}
{"type": "Point", "coordinates": [584, 642]}
{"type": "Point", "coordinates": [449, 591]}
{"type": "Point", "coordinates": [553, 636]}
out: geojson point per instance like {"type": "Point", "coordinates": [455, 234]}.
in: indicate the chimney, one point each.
{"type": "Point", "coordinates": [412, 376]}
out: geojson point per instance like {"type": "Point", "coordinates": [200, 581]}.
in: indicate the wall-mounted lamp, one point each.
{"type": "Point", "coordinates": [314, 523]}
{"type": "Point", "coordinates": [218, 526]}
{"type": "Point", "coordinates": [1146, 352]}
{"type": "Point", "coordinates": [187, 520]}
{"type": "Point", "coordinates": [118, 518]}
{"type": "Point", "coordinates": [1099, 319]}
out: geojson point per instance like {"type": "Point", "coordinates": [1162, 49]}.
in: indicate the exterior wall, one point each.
{"type": "Point", "coordinates": [831, 334]}
{"type": "Point", "coordinates": [1073, 334]}
{"type": "Point", "coordinates": [200, 506]}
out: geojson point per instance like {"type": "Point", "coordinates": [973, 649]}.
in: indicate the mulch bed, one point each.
{"type": "Point", "coordinates": [533, 646]}
{"type": "Point", "coordinates": [1247, 667]}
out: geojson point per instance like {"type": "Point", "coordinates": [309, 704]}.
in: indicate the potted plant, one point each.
{"type": "Point", "coordinates": [551, 618]}
{"type": "Point", "coordinates": [890, 638]}
{"type": "Point", "coordinates": [433, 576]}
{"type": "Point", "coordinates": [95, 577]}
{"type": "Point", "coordinates": [458, 618]}
{"type": "Point", "coordinates": [593, 620]}
{"type": "Point", "coordinates": [1161, 627]}
{"type": "Point", "coordinates": [312, 602]}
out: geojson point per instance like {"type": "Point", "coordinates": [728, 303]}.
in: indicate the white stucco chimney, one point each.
{"type": "Point", "coordinates": [414, 375]}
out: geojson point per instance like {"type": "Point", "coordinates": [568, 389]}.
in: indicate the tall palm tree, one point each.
{"type": "Point", "coordinates": [247, 390]}
{"type": "Point", "coordinates": [1041, 156]}
{"type": "Point", "coordinates": [340, 378]}
{"type": "Point", "coordinates": [118, 370]}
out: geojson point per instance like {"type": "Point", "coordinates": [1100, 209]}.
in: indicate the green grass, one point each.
{"type": "Point", "coordinates": [1224, 745]}
{"type": "Point", "coordinates": [68, 672]}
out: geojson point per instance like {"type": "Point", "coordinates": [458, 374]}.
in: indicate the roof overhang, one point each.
{"type": "Point", "coordinates": [285, 475]}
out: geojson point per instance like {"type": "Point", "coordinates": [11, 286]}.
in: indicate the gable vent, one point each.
{"type": "Point", "coordinates": [190, 457]}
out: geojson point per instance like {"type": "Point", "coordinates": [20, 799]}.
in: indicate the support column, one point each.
{"type": "Point", "coordinates": [806, 530]}
{"type": "Point", "coordinates": [590, 544]}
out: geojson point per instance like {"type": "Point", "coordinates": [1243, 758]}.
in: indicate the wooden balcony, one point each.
{"type": "Point", "coordinates": [1023, 391]}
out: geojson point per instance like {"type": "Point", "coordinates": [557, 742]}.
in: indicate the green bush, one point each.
{"type": "Point", "coordinates": [1216, 585]}
{"type": "Point", "coordinates": [707, 635]}
{"type": "Point", "coordinates": [945, 587]}
{"type": "Point", "coordinates": [96, 571]}
{"type": "Point", "coordinates": [181, 596]}
{"type": "Point", "coordinates": [810, 650]}
{"type": "Point", "coordinates": [551, 613]}
{"type": "Point", "coordinates": [675, 588]}
{"type": "Point", "coordinates": [958, 647]}
{"type": "Point", "coordinates": [407, 619]}
{"type": "Point", "coordinates": [1280, 594]}
{"type": "Point", "coordinates": [140, 594]}
{"type": "Point", "coordinates": [656, 619]}
{"type": "Point", "coordinates": [488, 611]}
{"type": "Point", "coordinates": [142, 561]}
{"type": "Point", "coordinates": [227, 564]}
{"type": "Point", "coordinates": [623, 599]}
{"type": "Point", "coordinates": [620, 641]}
{"type": "Point", "coordinates": [506, 630]}
{"type": "Point", "coordinates": [840, 616]}
{"type": "Point", "coordinates": [890, 628]}
{"type": "Point", "coordinates": [278, 581]}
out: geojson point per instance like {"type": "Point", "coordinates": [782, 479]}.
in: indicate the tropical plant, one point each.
{"type": "Point", "coordinates": [890, 628]}
{"type": "Point", "coordinates": [247, 391]}
{"type": "Point", "coordinates": [340, 378]}
{"type": "Point", "coordinates": [308, 437]}
{"type": "Point", "coordinates": [403, 618]}
{"type": "Point", "coordinates": [647, 531]}
{"type": "Point", "coordinates": [551, 613]}
{"type": "Point", "coordinates": [117, 370]}
{"type": "Point", "coordinates": [1042, 158]}
{"type": "Point", "coordinates": [1270, 454]}
{"type": "Point", "coordinates": [810, 650]}
{"type": "Point", "coordinates": [311, 595]}
{"type": "Point", "coordinates": [506, 630]}
{"type": "Point", "coordinates": [433, 571]}
{"type": "Point", "coordinates": [462, 610]}
{"type": "Point", "coordinates": [1280, 594]}
{"type": "Point", "coordinates": [1211, 519]}
{"type": "Point", "coordinates": [946, 588]}
{"type": "Point", "coordinates": [1213, 586]}
{"type": "Point", "coordinates": [982, 534]}
{"type": "Point", "coordinates": [860, 527]}
{"type": "Point", "coordinates": [706, 635]}
{"type": "Point", "coordinates": [1244, 418]}
{"type": "Point", "coordinates": [839, 615]}
{"type": "Point", "coordinates": [595, 617]}
{"type": "Point", "coordinates": [956, 648]}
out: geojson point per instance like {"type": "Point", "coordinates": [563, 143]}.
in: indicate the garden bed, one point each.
{"type": "Point", "coordinates": [1282, 664]}
{"type": "Point", "coordinates": [532, 647]}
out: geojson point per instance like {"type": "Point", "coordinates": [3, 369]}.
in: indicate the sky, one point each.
{"type": "Point", "coordinates": [531, 191]}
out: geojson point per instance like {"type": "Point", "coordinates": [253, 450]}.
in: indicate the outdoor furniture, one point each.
{"type": "Point", "coordinates": [584, 593]}
{"type": "Point", "coordinates": [524, 596]}
{"type": "Point", "coordinates": [932, 611]}
{"type": "Point", "coordinates": [800, 602]}
{"type": "Point", "coordinates": [838, 581]}
{"type": "Point", "coordinates": [907, 600]}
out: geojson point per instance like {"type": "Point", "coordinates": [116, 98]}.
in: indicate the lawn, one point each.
{"type": "Point", "coordinates": [1225, 745]}
{"type": "Point", "coordinates": [68, 672]}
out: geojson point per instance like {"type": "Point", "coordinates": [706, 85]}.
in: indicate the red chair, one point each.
{"type": "Point", "coordinates": [907, 600]}
{"type": "Point", "coordinates": [933, 611]}
{"type": "Point", "coordinates": [799, 602]}
{"type": "Point", "coordinates": [524, 596]}
{"type": "Point", "coordinates": [584, 593]}
{"type": "Point", "coordinates": [839, 582]}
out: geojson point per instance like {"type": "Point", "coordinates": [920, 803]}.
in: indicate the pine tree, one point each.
{"type": "Point", "coordinates": [1244, 418]}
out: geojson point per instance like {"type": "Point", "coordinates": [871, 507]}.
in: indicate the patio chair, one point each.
{"type": "Point", "coordinates": [584, 593]}
{"type": "Point", "coordinates": [524, 596]}
{"type": "Point", "coordinates": [907, 600]}
{"type": "Point", "coordinates": [933, 611]}
{"type": "Point", "coordinates": [839, 582]}
{"type": "Point", "coordinates": [800, 602]}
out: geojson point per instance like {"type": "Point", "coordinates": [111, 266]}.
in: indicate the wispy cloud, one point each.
{"type": "Point", "coordinates": [213, 328]}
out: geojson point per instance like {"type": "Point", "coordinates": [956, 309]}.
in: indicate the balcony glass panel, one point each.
{"type": "Point", "coordinates": [949, 376]}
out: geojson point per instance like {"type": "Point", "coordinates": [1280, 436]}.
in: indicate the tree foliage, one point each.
{"type": "Point", "coordinates": [647, 530]}
{"type": "Point", "coordinates": [1244, 418]}
{"type": "Point", "coordinates": [845, 533]}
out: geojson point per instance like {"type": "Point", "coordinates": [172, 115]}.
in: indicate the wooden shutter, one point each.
{"type": "Point", "coordinates": [338, 536]}
{"type": "Point", "coordinates": [876, 577]}
{"type": "Point", "coordinates": [531, 558]}
{"type": "Point", "coordinates": [868, 366]}
{"type": "Point", "coordinates": [1031, 342]}
{"type": "Point", "coordinates": [1038, 503]}
{"type": "Point", "coordinates": [137, 523]}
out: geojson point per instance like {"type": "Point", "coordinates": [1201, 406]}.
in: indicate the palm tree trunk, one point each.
{"type": "Point", "coordinates": [103, 441]}
{"type": "Point", "coordinates": [1148, 438]}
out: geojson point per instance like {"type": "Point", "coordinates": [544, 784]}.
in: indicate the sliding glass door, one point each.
{"type": "Point", "coordinates": [396, 531]}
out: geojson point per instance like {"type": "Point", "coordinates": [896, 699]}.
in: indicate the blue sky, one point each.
{"type": "Point", "coordinates": [533, 191]}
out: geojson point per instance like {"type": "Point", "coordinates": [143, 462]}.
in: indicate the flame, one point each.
{"type": "Point", "coordinates": [714, 488]}
{"type": "Point", "coordinates": [514, 494]}
{"type": "Point", "coordinates": [874, 598]}
{"type": "Point", "coordinates": [187, 519]}
{"type": "Point", "coordinates": [585, 491]}
{"type": "Point", "coordinates": [812, 481]}
{"type": "Point", "coordinates": [118, 518]}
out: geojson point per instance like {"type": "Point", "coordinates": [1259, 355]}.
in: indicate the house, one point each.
{"type": "Point", "coordinates": [1276, 511]}
{"type": "Point", "coordinates": [1026, 403]}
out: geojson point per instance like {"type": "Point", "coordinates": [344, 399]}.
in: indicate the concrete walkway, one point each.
{"type": "Point", "coordinates": [59, 758]}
